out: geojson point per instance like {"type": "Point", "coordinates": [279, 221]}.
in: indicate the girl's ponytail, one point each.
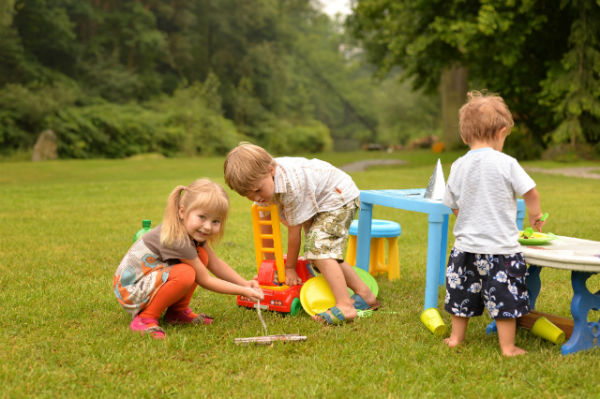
{"type": "Point", "coordinates": [172, 230]}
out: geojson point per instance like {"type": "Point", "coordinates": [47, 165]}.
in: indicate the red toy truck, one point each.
{"type": "Point", "coordinates": [271, 272]}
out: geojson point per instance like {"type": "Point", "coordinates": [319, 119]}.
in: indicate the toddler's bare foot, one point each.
{"type": "Point", "coordinates": [513, 351]}
{"type": "Point", "coordinates": [452, 342]}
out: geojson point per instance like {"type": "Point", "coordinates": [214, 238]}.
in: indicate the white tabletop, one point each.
{"type": "Point", "coordinates": [565, 253]}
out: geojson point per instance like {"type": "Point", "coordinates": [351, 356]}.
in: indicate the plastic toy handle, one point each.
{"type": "Point", "coordinates": [544, 217]}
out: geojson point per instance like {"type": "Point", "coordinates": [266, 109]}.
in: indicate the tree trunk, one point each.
{"type": "Point", "coordinates": [7, 11]}
{"type": "Point", "coordinates": [453, 91]}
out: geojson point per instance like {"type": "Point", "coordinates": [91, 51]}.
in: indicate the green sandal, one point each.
{"type": "Point", "coordinates": [325, 318]}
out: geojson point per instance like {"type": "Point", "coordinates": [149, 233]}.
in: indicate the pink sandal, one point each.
{"type": "Point", "coordinates": [187, 317]}
{"type": "Point", "coordinates": [147, 325]}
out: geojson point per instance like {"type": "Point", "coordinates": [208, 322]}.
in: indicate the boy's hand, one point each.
{"type": "Point", "coordinates": [537, 221]}
{"type": "Point", "coordinates": [291, 277]}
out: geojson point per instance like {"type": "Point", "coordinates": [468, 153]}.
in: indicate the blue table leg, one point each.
{"type": "Point", "coordinates": [520, 213]}
{"type": "Point", "coordinates": [443, 251]}
{"type": "Point", "coordinates": [586, 334]}
{"type": "Point", "coordinates": [363, 243]}
{"type": "Point", "coordinates": [434, 243]}
{"type": "Point", "coordinates": [534, 284]}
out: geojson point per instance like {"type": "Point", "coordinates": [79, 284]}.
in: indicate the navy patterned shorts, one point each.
{"type": "Point", "coordinates": [494, 281]}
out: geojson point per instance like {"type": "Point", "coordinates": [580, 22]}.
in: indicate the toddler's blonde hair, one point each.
{"type": "Point", "coordinates": [202, 193]}
{"type": "Point", "coordinates": [482, 116]}
{"type": "Point", "coordinates": [245, 166]}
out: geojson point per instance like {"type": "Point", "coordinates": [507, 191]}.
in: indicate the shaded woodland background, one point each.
{"type": "Point", "coordinates": [118, 78]}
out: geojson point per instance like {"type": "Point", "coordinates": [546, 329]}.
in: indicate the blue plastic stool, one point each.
{"type": "Point", "coordinates": [380, 231]}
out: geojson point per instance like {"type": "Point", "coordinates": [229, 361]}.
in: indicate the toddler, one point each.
{"type": "Point", "coordinates": [486, 267]}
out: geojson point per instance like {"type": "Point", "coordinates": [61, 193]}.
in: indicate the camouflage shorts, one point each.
{"type": "Point", "coordinates": [327, 235]}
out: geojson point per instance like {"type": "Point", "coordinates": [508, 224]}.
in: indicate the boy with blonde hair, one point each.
{"type": "Point", "coordinates": [315, 196]}
{"type": "Point", "coordinates": [486, 267]}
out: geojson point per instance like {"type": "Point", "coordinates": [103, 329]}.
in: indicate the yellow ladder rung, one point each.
{"type": "Point", "coordinates": [272, 239]}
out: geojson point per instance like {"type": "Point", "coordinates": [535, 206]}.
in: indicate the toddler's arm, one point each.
{"type": "Point", "coordinates": [293, 250]}
{"type": "Point", "coordinates": [532, 202]}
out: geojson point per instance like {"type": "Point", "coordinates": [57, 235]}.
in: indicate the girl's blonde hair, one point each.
{"type": "Point", "coordinates": [203, 194]}
{"type": "Point", "coordinates": [482, 116]}
{"type": "Point", "coordinates": [245, 166]}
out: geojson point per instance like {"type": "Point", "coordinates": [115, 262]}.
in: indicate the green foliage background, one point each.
{"type": "Point", "coordinates": [543, 57]}
{"type": "Point", "coordinates": [284, 75]}
{"type": "Point", "coordinates": [117, 78]}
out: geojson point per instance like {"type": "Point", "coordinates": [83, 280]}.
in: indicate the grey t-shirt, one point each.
{"type": "Point", "coordinates": [484, 185]}
{"type": "Point", "coordinates": [165, 254]}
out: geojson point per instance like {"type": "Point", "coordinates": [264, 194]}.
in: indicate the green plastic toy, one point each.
{"type": "Point", "coordinates": [145, 228]}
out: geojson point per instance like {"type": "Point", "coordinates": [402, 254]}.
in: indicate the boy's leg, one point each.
{"type": "Point", "coordinates": [510, 299]}
{"type": "Point", "coordinates": [459, 330]}
{"type": "Point", "coordinates": [325, 242]}
{"type": "Point", "coordinates": [331, 270]}
{"type": "Point", "coordinates": [463, 293]}
{"type": "Point", "coordinates": [507, 329]}
{"type": "Point", "coordinates": [358, 286]}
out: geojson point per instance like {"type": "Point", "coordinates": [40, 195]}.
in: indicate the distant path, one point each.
{"type": "Point", "coordinates": [585, 172]}
{"type": "Point", "coordinates": [359, 166]}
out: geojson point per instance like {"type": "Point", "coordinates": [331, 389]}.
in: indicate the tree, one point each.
{"type": "Point", "coordinates": [279, 70]}
{"type": "Point", "coordinates": [6, 13]}
{"type": "Point", "coordinates": [47, 34]}
{"type": "Point", "coordinates": [513, 48]}
{"type": "Point", "coordinates": [572, 88]}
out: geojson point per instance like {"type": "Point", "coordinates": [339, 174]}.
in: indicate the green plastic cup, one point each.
{"type": "Point", "coordinates": [433, 321]}
{"type": "Point", "coordinates": [546, 329]}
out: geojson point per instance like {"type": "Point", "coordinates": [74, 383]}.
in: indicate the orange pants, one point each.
{"type": "Point", "coordinates": [175, 294]}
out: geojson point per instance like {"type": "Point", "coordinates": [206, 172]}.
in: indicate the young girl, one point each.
{"type": "Point", "coordinates": [162, 269]}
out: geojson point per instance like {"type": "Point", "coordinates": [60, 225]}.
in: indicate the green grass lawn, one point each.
{"type": "Point", "coordinates": [65, 226]}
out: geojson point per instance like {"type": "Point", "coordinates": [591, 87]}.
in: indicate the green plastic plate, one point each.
{"type": "Point", "coordinates": [536, 238]}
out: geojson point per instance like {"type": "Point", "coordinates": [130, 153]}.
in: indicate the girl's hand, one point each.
{"type": "Point", "coordinates": [253, 293]}
{"type": "Point", "coordinates": [252, 284]}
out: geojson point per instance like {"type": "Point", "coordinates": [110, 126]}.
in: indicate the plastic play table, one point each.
{"type": "Point", "coordinates": [437, 236]}
{"type": "Point", "coordinates": [582, 258]}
